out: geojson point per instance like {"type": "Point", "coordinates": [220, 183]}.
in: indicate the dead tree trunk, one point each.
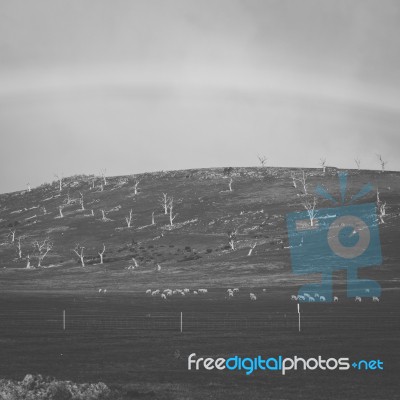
{"type": "Point", "coordinates": [60, 208]}
{"type": "Point", "coordinates": [101, 254]}
{"type": "Point", "coordinates": [152, 218]}
{"type": "Point", "coordinates": [310, 207]}
{"type": "Point", "coordinates": [79, 252]}
{"type": "Point", "coordinates": [59, 178]}
{"type": "Point", "coordinates": [252, 247]}
{"type": "Point", "coordinates": [164, 202]}
{"type": "Point", "coordinates": [12, 235]}
{"type": "Point", "coordinates": [136, 186]}
{"type": "Point", "coordinates": [129, 219]}
{"type": "Point", "coordinates": [230, 185]}
{"type": "Point", "coordinates": [172, 216]}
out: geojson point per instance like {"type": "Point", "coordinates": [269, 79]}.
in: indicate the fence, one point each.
{"type": "Point", "coordinates": [188, 322]}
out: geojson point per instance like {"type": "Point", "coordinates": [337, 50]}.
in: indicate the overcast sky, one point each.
{"type": "Point", "coordinates": [146, 85]}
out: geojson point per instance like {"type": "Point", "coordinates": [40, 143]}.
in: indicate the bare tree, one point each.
{"type": "Point", "coordinates": [103, 218]}
{"type": "Point", "coordinates": [81, 201]}
{"type": "Point", "coordinates": [358, 163]}
{"type": "Point", "coordinates": [44, 210]}
{"type": "Point", "coordinates": [164, 202]}
{"type": "Point", "coordinates": [42, 248]}
{"type": "Point", "coordinates": [378, 200]}
{"type": "Point", "coordinates": [28, 187]}
{"type": "Point", "coordinates": [322, 162]}
{"type": "Point", "coordinates": [135, 262]}
{"type": "Point", "coordinates": [60, 208]}
{"type": "Point", "coordinates": [12, 234]}
{"type": "Point", "coordinates": [19, 246]}
{"type": "Point", "coordinates": [302, 180]}
{"type": "Point", "coordinates": [59, 178]}
{"type": "Point", "coordinates": [92, 212]}
{"type": "Point", "coordinates": [382, 162]}
{"type": "Point", "coordinates": [232, 239]}
{"type": "Point", "coordinates": [310, 207]}
{"type": "Point", "coordinates": [101, 187]}
{"type": "Point", "coordinates": [129, 219]}
{"type": "Point", "coordinates": [28, 262]}
{"type": "Point", "coordinates": [79, 252]}
{"type": "Point", "coordinates": [152, 218]}
{"type": "Point", "coordinates": [93, 181]}
{"type": "Point", "coordinates": [293, 176]}
{"type": "Point", "coordinates": [103, 175]}
{"type": "Point", "coordinates": [382, 212]}
{"type": "Point", "coordinates": [230, 185]}
{"type": "Point", "coordinates": [252, 247]}
{"type": "Point", "coordinates": [262, 160]}
{"type": "Point", "coordinates": [101, 254]}
{"type": "Point", "coordinates": [136, 186]}
{"type": "Point", "coordinates": [172, 216]}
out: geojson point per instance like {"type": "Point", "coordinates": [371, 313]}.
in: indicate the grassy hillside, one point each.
{"type": "Point", "coordinates": [194, 251]}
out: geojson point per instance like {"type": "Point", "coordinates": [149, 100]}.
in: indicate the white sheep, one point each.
{"type": "Point", "coordinates": [375, 299]}
{"type": "Point", "coordinates": [230, 294]}
{"type": "Point", "coordinates": [293, 297]}
{"type": "Point", "coordinates": [186, 290]}
{"type": "Point", "coordinates": [316, 295]}
{"type": "Point", "coordinates": [322, 298]}
{"type": "Point", "coordinates": [335, 298]}
{"type": "Point", "coordinates": [311, 298]}
{"type": "Point", "coordinates": [163, 296]}
{"type": "Point", "coordinates": [236, 290]}
{"type": "Point", "coordinates": [253, 296]}
{"type": "Point", "coordinates": [300, 297]}
{"type": "Point", "coordinates": [195, 292]}
{"type": "Point", "coordinates": [100, 290]}
{"type": "Point", "coordinates": [306, 295]}
{"type": "Point", "coordinates": [358, 298]}
{"type": "Point", "coordinates": [148, 291]}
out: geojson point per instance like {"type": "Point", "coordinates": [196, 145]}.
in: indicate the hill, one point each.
{"type": "Point", "coordinates": [194, 251]}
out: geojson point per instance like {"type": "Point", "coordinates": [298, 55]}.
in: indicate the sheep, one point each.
{"type": "Point", "coordinates": [302, 298]}
{"type": "Point", "coordinates": [163, 296]}
{"type": "Point", "coordinates": [155, 293]}
{"type": "Point", "coordinates": [195, 292]}
{"type": "Point", "coordinates": [293, 297]}
{"type": "Point", "coordinates": [105, 291]}
{"type": "Point", "coordinates": [264, 290]}
{"type": "Point", "coordinates": [183, 293]}
{"type": "Point", "coordinates": [358, 298]}
{"type": "Point", "coordinates": [311, 298]}
{"type": "Point", "coordinates": [375, 299]}
{"type": "Point", "coordinates": [148, 291]}
{"type": "Point", "coordinates": [100, 290]}
{"type": "Point", "coordinates": [166, 290]}
{"type": "Point", "coordinates": [306, 295]}
{"type": "Point", "coordinates": [169, 293]}
{"type": "Point", "coordinates": [186, 290]}
{"type": "Point", "coordinates": [316, 295]}
{"type": "Point", "coordinates": [322, 298]}
{"type": "Point", "coordinates": [253, 296]}
{"type": "Point", "coordinates": [202, 291]}
{"type": "Point", "coordinates": [230, 294]}
{"type": "Point", "coordinates": [335, 298]}
{"type": "Point", "coordinates": [229, 290]}
{"type": "Point", "coordinates": [236, 290]}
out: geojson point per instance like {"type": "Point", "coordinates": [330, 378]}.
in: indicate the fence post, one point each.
{"type": "Point", "coordinates": [63, 320]}
{"type": "Point", "coordinates": [181, 322]}
{"type": "Point", "coordinates": [298, 311]}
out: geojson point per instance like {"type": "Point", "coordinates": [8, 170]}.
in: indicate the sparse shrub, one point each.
{"type": "Point", "coordinates": [150, 246]}
{"type": "Point", "coordinates": [188, 248]}
{"type": "Point", "coordinates": [209, 250]}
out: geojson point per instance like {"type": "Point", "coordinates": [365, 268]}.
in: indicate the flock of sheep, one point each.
{"type": "Point", "coordinates": [317, 297]}
{"type": "Point", "coordinates": [169, 292]}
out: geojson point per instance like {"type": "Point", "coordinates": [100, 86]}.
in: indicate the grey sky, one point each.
{"type": "Point", "coordinates": [134, 86]}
